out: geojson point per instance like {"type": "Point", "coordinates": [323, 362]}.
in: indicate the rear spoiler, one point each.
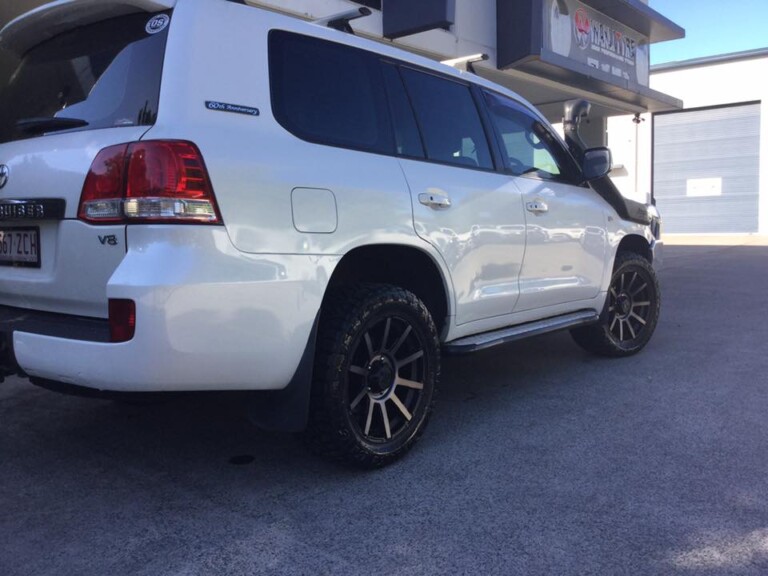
{"type": "Point", "coordinates": [52, 19]}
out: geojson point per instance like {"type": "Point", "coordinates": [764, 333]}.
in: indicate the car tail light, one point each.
{"type": "Point", "coordinates": [156, 181]}
{"type": "Point", "coordinates": [122, 320]}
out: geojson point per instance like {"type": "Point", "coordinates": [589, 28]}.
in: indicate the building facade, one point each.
{"type": "Point", "coordinates": [549, 51]}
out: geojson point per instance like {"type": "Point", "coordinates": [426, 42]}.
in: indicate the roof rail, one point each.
{"type": "Point", "coordinates": [340, 21]}
{"type": "Point", "coordinates": [464, 63]}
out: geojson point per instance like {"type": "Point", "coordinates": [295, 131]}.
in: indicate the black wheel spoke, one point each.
{"type": "Point", "coordinates": [412, 358]}
{"type": "Point", "coordinates": [369, 344]}
{"type": "Point", "coordinates": [363, 393]}
{"type": "Point", "coordinates": [632, 282]}
{"type": "Point", "coordinates": [358, 370]}
{"type": "Point", "coordinates": [409, 383]}
{"type": "Point", "coordinates": [638, 318]}
{"type": "Point", "coordinates": [385, 338]}
{"type": "Point", "coordinates": [385, 417]}
{"type": "Point", "coordinates": [369, 419]}
{"type": "Point", "coordinates": [400, 406]}
{"type": "Point", "coordinates": [399, 343]}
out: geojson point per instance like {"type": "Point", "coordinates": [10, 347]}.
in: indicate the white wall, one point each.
{"type": "Point", "coordinates": [630, 145]}
{"type": "Point", "coordinates": [473, 33]}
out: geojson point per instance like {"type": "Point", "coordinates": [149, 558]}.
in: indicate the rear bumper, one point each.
{"type": "Point", "coordinates": [58, 325]}
{"type": "Point", "coordinates": [207, 318]}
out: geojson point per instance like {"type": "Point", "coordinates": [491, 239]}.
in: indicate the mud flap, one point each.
{"type": "Point", "coordinates": [287, 410]}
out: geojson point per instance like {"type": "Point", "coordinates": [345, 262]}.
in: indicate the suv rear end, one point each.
{"type": "Point", "coordinates": [116, 271]}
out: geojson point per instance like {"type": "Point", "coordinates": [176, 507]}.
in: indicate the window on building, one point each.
{"type": "Point", "coordinates": [450, 123]}
{"type": "Point", "coordinates": [328, 93]}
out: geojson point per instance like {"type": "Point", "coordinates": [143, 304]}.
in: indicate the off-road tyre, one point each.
{"type": "Point", "coordinates": [377, 346]}
{"type": "Point", "coordinates": [631, 310]}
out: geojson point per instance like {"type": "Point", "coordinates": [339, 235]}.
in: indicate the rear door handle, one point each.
{"type": "Point", "coordinates": [537, 207]}
{"type": "Point", "coordinates": [436, 201]}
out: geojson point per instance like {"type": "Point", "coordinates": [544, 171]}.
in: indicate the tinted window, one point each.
{"type": "Point", "coordinates": [376, 4]}
{"type": "Point", "coordinates": [106, 74]}
{"type": "Point", "coordinates": [530, 147]}
{"type": "Point", "coordinates": [449, 120]}
{"type": "Point", "coordinates": [407, 138]}
{"type": "Point", "coordinates": [328, 93]}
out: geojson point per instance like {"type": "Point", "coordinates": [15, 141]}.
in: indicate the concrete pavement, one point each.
{"type": "Point", "coordinates": [540, 459]}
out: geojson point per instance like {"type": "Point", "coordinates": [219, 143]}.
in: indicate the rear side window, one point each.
{"type": "Point", "coordinates": [328, 93]}
{"type": "Point", "coordinates": [450, 123]}
{"type": "Point", "coordinates": [407, 137]}
{"type": "Point", "coordinates": [101, 75]}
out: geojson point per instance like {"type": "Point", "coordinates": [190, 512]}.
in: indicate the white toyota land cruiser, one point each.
{"type": "Point", "coordinates": [204, 195]}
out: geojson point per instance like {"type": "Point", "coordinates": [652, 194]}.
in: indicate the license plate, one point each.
{"type": "Point", "coordinates": [20, 247]}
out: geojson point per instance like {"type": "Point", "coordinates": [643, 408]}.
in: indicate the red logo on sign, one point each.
{"type": "Point", "coordinates": [583, 27]}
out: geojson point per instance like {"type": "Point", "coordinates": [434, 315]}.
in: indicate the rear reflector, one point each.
{"type": "Point", "coordinates": [122, 320]}
{"type": "Point", "coordinates": [154, 181]}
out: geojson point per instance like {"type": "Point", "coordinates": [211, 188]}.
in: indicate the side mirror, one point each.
{"type": "Point", "coordinates": [597, 163]}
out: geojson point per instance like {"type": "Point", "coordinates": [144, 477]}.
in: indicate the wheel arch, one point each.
{"type": "Point", "coordinates": [405, 266]}
{"type": "Point", "coordinates": [636, 244]}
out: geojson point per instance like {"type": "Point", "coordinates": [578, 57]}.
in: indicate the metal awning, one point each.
{"type": "Point", "coordinates": [594, 49]}
{"type": "Point", "coordinates": [572, 78]}
{"type": "Point", "coordinates": [639, 16]}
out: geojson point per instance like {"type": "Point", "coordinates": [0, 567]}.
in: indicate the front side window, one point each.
{"type": "Point", "coordinates": [450, 123]}
{"type": "Point", "coordinates": [328, 93]}
{"type": "Point", "coordinates": [529, 147]}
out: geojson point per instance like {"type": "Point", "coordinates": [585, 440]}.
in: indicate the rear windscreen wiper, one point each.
{"type": "Point", "coordinates": [48, 124]}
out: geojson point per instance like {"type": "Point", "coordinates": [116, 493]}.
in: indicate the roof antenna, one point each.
{"type": "Point", "coordinates": [465, 63]}
{"type": "Point", "coordinates": [340, 21]}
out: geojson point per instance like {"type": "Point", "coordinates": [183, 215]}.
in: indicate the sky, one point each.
{"type": "Point", "coordinates": [711, 27]}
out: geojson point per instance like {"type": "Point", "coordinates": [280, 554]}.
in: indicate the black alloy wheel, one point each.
{"type": "Point", "coordinates": [375, 375]}
{"type": "Point", "coordinates": [632, 311]}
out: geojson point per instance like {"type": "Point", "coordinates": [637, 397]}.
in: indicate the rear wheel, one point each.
{"type": "Point", "coordinates": [377, 366]}
{"type": "Point", "coordinates": [632, 310]}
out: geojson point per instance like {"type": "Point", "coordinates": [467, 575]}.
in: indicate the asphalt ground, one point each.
{"type": "Point", "coordinates": [540, 459]}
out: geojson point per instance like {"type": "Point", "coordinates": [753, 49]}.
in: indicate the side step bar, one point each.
{"type": "Point", "coordinates": [488, 339]}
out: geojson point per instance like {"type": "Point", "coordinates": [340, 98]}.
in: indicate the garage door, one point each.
{"type": "Point", "coordinates": [706, 169]}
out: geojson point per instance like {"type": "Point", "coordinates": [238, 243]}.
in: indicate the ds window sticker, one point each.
{"type": "Point", "coordinates": [157, 23]}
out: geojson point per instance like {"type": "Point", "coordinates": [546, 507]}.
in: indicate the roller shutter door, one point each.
{"type": "Point", "coordinates": [706, 169]}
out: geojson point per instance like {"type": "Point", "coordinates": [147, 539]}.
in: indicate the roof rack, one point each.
{"type": "Point", "coordinates": [340, 21]}
{"type": "Point", "coordinates": [465, 63]}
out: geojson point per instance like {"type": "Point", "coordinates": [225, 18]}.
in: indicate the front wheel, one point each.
{"type": "Point", "coordinates": [632, 310]}
{"type": "Point", "coordinates": [376, 370]}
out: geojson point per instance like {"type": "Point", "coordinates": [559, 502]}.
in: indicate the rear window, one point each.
{"type": "Point", "coordinates": [328, 93]}
{"type": "Point", "coordinates": [99, 76]}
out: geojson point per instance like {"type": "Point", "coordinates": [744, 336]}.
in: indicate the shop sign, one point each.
{"type": "Point", "coordinates": [589, 37]}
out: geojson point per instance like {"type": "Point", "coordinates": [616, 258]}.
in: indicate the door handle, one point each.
{"type": "Point", "coordinates": [436, 201]}
{"type": "Point", "coordinates": [537, 207]}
